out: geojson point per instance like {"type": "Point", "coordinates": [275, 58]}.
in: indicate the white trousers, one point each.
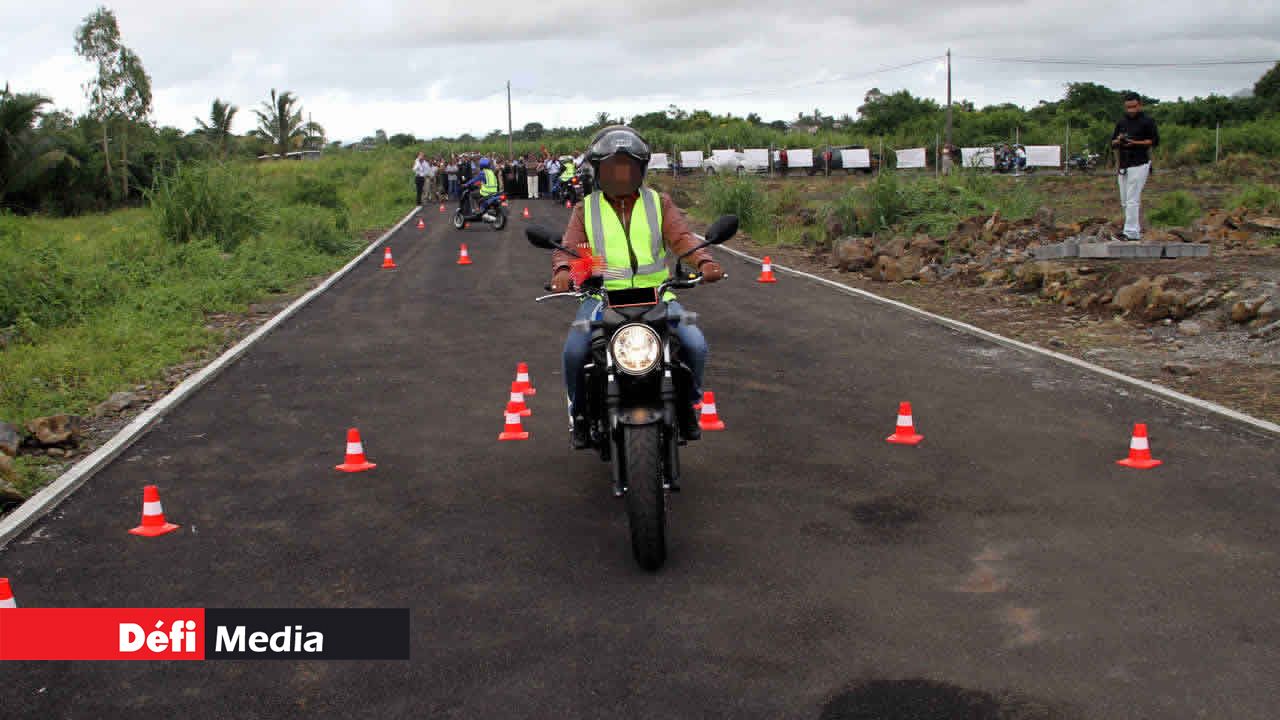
{"type": "Point", "coordinates": [1132, 180]}
{"type": "Point", "coordinates": [533, 186]}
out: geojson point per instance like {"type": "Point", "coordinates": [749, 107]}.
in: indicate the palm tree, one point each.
{"type": "Point", "coordinates": [313, 135]}
{"type": "Point", "coordinates": [218, 130]}
{"type": "Point", "coordinates": [280, 121]}
{"type": "Point", "coordinates": [24, 155]}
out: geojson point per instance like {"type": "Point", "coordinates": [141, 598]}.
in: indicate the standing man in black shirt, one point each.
{"type": "Point", "coordinates": [1133, 139]}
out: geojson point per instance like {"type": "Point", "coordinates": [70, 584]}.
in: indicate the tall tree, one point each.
{"type": "Point", "coordinates": [280, 122]}
{"type": "Point", "coordinates": [218, 130]}
{"type": "Point", "coordinates": [24, 155]}
{"type": "Point", "coordinates": [1267, 89]}
{"type": "Point", "coordinates": [120, 92]}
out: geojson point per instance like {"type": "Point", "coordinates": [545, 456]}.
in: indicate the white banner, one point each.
{"type": "Point", "coordinates": [1044, 155]}
{"type": "Point", "coordinates": [978, 157]}
{"type": "Point", "coordinates": [723, 154]}
{"type": "Point", "coordinates": [757, 158]}
{"type": "Point", "coordinates": [860, 158]}
{"type": "Point", "coordinates": [690, 159]}
{"type": "Point", "coordinates": [659, 162]}
{"type": "Point", "coordinates": [800, 158]}
{"type": "Point", "coordinates": [911, 158]}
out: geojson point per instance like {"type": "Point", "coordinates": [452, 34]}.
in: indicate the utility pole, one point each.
{"type": "Point", "coordinates": [948, 97]}
{"type": "Point", "coordinates": [510, 150]}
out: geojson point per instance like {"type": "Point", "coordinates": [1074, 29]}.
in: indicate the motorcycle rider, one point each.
{"type": "Point", "coordinates": [487, 182]}
{"type": "Point", "coordinates": [634, 229]}
{"type": "Point", "coordinates": [567, 172]}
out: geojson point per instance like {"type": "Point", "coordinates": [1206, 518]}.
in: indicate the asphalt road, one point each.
{"type": "Point", "coordinates": [1005, 565]}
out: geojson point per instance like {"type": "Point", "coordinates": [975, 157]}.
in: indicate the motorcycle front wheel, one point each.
{"type": "Point", "coordinates": [501, 220]}
{"type": "Point", "coordinates": [458, 220]}
{"type": "Point", "coordinates": [646, 500]}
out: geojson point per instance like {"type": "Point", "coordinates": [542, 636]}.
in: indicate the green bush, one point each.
{"type": "Point", "coordinates": [1177, 209]}
{"type": "Point", "coordinates": [1256, 197]}
{"type": "Point", "coordinates": [205, 200]}
{"type": "Point", "coordinates": [315, 191]}
{"type": "Point", "coordinates": [316, 228]}
{"type": "Point", "coordinates": [739, 196]}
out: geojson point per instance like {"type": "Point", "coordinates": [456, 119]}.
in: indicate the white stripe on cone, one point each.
{"type": "Point", "coordinates": [152, 508]}
{"type": "Point", "coordinates": [10, 603]}
{"type": "Point", "coordinates": [517, 397]}
{"type": "Point", "coordinates": [355, 448]}
{"type": "Point", "coordinates": [904, 421]}
{"type": "Point", "coordinates": [767, 267]}
{"type": "Point", "coordinates": [522, 377]}
{"type": "Point", "coordinates": [1139, 443]}
{"type": "Point", "coordinates": [513, 419]}
{"type": "Point", "coordinates": [709, 409]}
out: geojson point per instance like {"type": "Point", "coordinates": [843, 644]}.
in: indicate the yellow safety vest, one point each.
{"type": "Point", "coordinates": [611, 243]}
{"type": "Point", "coordinates": [490, 186]}
{"type": "Point", "coordinates": [567, 173]}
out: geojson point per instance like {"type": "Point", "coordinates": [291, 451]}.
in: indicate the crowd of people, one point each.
{"type": "Point", "coordinates": [528, 177]}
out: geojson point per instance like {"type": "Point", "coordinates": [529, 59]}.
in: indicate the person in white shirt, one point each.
{"type": "Point", "coordinates": [421, 169]}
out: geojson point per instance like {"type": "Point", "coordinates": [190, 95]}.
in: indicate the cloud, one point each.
{"type": "Point", "coordinates": [440, 67]}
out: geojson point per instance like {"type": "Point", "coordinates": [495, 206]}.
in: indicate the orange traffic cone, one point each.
{"type": "Point", "coordinates": [525, 214]}
{"type": "Point", "coordinates": [517, 400]}
{"type": "Point", "coordinates": [905, 434]}
{"type": "Point", "coordinates": [441, 207]}
{"type": "Point", "coordinates": [522, 379]}
{"type": "Point", "coordinates": [766, 271]}
{"type": "Point", "coordinates": [513, 430]}
{"type": "Point", "coordinates": [153, 522]}
{"type": "Point", "coordinates": [356, 461]}
{"type": "Point", "coordinates": [421, 225]}
{"type": "Point", "coordinates": [710, 419]}
{"type": "Point", "coordinates": [1140, 451]}
{"type": "Point", "coordinates": [464, 258]}
{"type": "Point", "coordinates": [387, 262]}
{"type": "Point", "coordinates": [6, 595]}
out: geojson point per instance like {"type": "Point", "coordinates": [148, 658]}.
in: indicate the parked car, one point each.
{"type": "Point", "coordinates": [722, 162]}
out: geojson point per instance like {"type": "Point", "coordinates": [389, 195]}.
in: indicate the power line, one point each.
{"type": "Point", "coordinates": [1114, 64]}
{"type": "Point", "coordinates": [840, 78]}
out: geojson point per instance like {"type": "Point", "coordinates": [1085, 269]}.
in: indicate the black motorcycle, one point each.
{"type": "Point", "coordinates": [639, 403]}
{"type": "Point", "coordinates": [572, 190]}
{"type": "Point", "coordinates": [469, 211]}
{"type": "Point", "coordinates": [1085, 162]}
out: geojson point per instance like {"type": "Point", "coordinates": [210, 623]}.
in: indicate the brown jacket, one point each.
{"type": "Point", "coordinates": [675, 232]}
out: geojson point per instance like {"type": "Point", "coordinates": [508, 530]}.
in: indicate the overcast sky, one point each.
{"type": "Point", "coordinates": [439, 67]}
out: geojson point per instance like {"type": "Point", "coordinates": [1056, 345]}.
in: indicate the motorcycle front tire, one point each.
{"type": "Point", "coordinates": [501, 220]}
{"type": "Point", "coordinates": [459, 220]}
{"type": "Point", "coordinates": [645, 498]}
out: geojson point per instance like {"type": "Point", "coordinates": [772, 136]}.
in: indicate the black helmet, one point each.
{"type": "Point", "coordinates": [616, 139]}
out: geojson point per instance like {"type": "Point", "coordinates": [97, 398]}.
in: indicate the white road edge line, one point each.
{"type": "Point", "coordinates": [38, 505]}
{"type": "Point", "coordinates": [1195, 402]}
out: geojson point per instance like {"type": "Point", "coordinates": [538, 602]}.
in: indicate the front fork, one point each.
{"type": "Point", "coordinates": [668, 425]}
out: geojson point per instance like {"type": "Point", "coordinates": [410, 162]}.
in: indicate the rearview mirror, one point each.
{"type": "Point", "coordinates": [722, 229]}
{"type": "Point", "coordinates": [541, 237]}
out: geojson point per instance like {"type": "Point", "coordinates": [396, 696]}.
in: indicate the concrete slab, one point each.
{"type": "Point", "coordinates": [1055, 251]}
{"type": "Point", "coordinates": [1122, 250]}
{"type": "Point", "coordinates": [1183, 250]}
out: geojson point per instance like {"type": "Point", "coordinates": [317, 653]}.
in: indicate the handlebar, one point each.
{"type": "Point", "coordinates": [672, 284]}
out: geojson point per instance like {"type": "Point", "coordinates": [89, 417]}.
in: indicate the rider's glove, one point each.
{"type": "Point", "coordinates": [561, 281]}
{"type": "Point", "coordinates": [711, 271]}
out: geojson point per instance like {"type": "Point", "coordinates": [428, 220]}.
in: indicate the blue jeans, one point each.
{"type": "Point", "coordinates": [577, 346]}
{"type": "Point", "coordinates": [453, 188]}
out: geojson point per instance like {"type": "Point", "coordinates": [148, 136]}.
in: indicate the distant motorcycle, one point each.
{"type": "Point", "coordinates": [1085, 162]}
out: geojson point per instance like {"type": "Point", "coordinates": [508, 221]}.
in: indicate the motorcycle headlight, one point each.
{"type": "Point", "coordinates": [636, 349]}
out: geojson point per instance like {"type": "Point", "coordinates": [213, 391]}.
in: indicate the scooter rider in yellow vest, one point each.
{"type": "Point", "coordinates": [636, 230]}
{"type": "Point", "coordinates": [487, 182]}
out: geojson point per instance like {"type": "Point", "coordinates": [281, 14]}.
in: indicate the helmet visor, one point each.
{"type": "Point", "coordinates": [620, 141]}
